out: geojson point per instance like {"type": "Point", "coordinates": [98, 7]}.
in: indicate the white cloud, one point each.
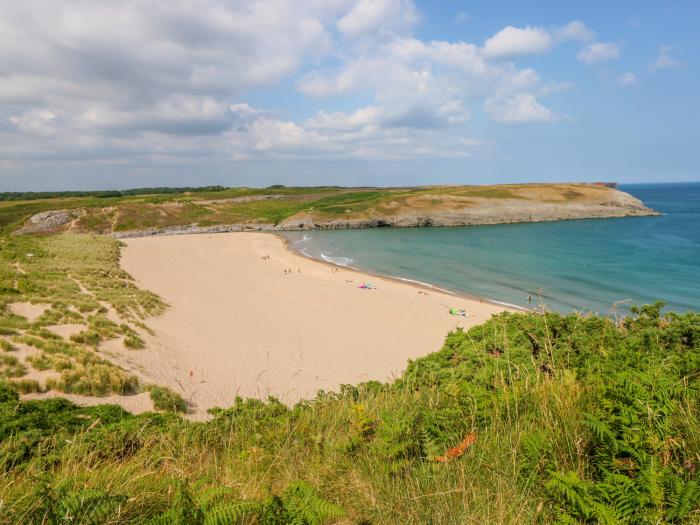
{"type": "Point", "coordinates": [378, 16]}
{"type": "Point", "coordinates": [576, 31]}
{"type": "Point", "coordinates": [151, 84]}
{"type": "Point", "coordinates": [420, 85]}
{"type": "Point", "coordinates": [204, 45]}
{"type": "Point", "coordinates": [664, 60]}
{"type": "Point", "coordinates": [513, 41]}
{"type": "Point", "coordinates": [41, 122]}
{"type": "Point", "coordinates": [358, 135]}
{"type": "Point", "coordinates": [599, 52]}
{"type": "Point", "coordinates": [99, 79]}
{"type": "Point", "coordinates": [627, 79]}
{"type": "Point", "coordinates": [519, 109]}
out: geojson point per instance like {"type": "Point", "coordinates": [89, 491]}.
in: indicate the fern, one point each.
{"type": "Point", "coordinates": [299, 504]}
{"type": "Point", "coordinates": [87, 507]}
{"type": "Point", "coordinates": [683, 500]}
{"type": "Point", "coordinates": [232, 513]}
{"type": "Point", "coordinates": [307, 508]}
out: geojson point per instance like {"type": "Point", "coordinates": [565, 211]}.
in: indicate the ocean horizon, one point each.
{"type": "Point", "coordinates": [589, 265]}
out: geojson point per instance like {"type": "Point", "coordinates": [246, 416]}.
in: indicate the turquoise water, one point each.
{"type": "Point", "coordinates": [579, 265]}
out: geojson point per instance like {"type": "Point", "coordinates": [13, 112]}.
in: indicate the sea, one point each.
{"type": "Point", "coordinates": [590, 265]}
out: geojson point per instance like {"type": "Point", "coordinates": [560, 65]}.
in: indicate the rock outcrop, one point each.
{"type": "Point", "coordinates": [47, 221]}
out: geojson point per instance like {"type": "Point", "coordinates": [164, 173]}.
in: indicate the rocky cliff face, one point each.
{"type": "Point", "coordinates": [478, 210]}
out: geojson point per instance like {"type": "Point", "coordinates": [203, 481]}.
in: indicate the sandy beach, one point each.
{"type": "Point", "coordinates": [249, 317]}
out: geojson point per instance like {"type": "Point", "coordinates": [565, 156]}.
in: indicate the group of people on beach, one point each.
{"type": "Point", "coordinates": [286, 270]}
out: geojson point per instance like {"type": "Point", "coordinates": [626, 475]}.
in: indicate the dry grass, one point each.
{"type": "Point", "coordinates": [233, 207]}
{"type": "Point", "coordinates": [80, 278]}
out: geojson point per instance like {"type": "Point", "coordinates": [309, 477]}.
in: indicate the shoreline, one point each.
{"type": "Point", "coordinates": [265, 227]}
{"type": "Point", "coordinates": [249, 316]}
{"type": "Point", "coordinates": [404, 280]}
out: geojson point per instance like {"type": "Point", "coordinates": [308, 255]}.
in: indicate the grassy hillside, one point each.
{"type": "Point", "coordinates": [525, 419]}
{"type": "Point", "coordinates": [137, 210]}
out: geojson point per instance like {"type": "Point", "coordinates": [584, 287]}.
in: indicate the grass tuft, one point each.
{"type": "Point", "coordinates": [165, 399]}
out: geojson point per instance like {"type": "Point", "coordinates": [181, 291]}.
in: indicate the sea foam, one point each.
{"type": "Point", "coordinates": [340, 261]}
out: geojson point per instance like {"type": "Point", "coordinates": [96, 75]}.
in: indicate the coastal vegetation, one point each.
{"type": "Point", "coordinates": [74, 281]}
{"type": "Point", "coordinates": [528, 418]}
{"type": "Point", "coordinates": [290, 207]}
{"type": "Point", "coordinates": [39, 195]}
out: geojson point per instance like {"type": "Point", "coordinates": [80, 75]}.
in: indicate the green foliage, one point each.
{"type": "Point", "coordinates": [570, 419]}
{"type": "Point", "coordinates": [94, 379]}
{"type": "Point", "coordinates": [11, 367]}
{"type": "Point", "coordinates": [25, 386]}
{"type": "Point", "coordinates": [87, 507]}
{"type": "Point", "coordinates": [165, 399]}
{"type": "Point", "coordinates": [252, 412]}
{"type": "Point", "coordinates": [144, 208]}
{"type": "Point", "coordinates": [36, 195]}
{"type": "Point", "coordinates": [298, 505]}
{"type": "Point", "coordinates": [7, 393]}
{"type": "Point", "coordinates": [78, 279]}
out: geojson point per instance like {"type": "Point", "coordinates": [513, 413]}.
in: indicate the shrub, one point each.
{"type": "Point", "coordinates": [94, 380]}
{"type": "Point", "coordinates": [298, 504]}
{"type": "Point", "coordinates": [25, 386]}
{"type": "Point", "coordinates": [134, 342]}
{"type": "Point", "coordinates": [7, 393]}
{"type": "Point", "coordinates": [527, 418]}
{"type": "Point", "coordinates": [88, 337]}
{"type": "Point", "coordinates": [165, 399]}
{"type": "Point", "coordinates": [11, 367]}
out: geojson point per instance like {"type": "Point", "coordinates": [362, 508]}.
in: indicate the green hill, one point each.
{"type": "Point", "coordinates": [135, 212]}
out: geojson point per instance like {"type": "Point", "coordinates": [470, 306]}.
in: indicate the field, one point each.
{"type": "Point", "coordinates": [528, 418]}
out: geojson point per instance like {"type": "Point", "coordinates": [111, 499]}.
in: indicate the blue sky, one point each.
{"type": "Point", "coordinates": [99, 94]}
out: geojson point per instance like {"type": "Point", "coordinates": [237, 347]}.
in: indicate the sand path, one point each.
{"type": "Point", "coordinates": [239, 325]}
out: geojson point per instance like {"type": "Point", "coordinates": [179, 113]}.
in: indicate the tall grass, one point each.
{"type": "Point", "coordinates": [79, 280]}
{"type": "Point", "coordinates": [525, 419]}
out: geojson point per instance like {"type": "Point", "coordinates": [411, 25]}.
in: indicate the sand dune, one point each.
{"type": "Point", "coordinates": [239, 325]}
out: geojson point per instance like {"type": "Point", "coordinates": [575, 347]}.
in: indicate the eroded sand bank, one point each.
{"type": "Point", "coordinates": [239, 325]}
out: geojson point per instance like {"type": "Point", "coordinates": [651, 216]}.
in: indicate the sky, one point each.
{"type": "Point", "coordinates": [97, 94]}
